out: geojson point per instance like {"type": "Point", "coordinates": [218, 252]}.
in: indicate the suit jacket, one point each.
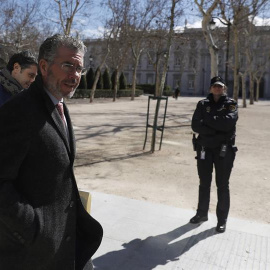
{"type": "Point", "coordinates": [43, 224]}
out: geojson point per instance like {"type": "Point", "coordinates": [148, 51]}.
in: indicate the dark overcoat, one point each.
{"type": "Point", "coordinates": [43, 225]}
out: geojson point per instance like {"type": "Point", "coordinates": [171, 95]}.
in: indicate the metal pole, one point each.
{"type": "Point", "coordinates": [153, 143]}
{"type": "Point", "coordinates": [163, 126]}
{"type": "Point", "coordinates": [146, 131]}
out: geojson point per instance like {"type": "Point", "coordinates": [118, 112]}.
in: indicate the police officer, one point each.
{"type": "Point", "coordinates": [214, 120]}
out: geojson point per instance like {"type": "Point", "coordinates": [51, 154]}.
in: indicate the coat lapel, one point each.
{"type": "Point", "coordinates": [56, 119]}
{"type": "Point", "coordinates": [70, 130]}
{"type": "Point", "coordinates": [59, 124]}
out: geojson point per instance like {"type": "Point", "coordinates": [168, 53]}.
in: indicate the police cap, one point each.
{"type": "Point", "coordinates": [217, 80]}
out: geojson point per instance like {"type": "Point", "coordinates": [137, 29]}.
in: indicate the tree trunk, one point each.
{"type": "Point", "coordinates": [93, 90]}
{"type": "Point", "coordinates": [251, 95]}
{"type": "Point", "coordinates": [134, 78]}
{"type": "Point", "coordinates": [236, 65]}
{"type": "Point", "coordinates": [258, 80]}
{"type": "Point", "coordinates": [244, 90]}
{"type": "Point", "coordinates": [157, 77]}
{"type": "Point", "coordinates": [94, 87]}
{"type": "Point", "coordinates": [115, 85]}
{"type": "Point", "coordinates": [163, 79]}
{"type": "Point", "coordinates": [213, 49]}
{"type": "Point", "coordinates": [164, 73]}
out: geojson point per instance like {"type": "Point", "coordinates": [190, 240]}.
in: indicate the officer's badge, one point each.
{"type": "Point", "coordinates": [208, 109]}
{"type": "Point", "coordinates": [222, 108]}
{"type": "Point", "coordinates": [232, 108]}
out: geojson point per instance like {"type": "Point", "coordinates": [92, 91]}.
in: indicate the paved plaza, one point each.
{"type": "Point", "coordinates": [144, 201]}
{"type": "Point", "coordinates": [140, 235]}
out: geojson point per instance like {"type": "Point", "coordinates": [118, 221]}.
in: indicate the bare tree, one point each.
{"type": "Point", "coordinates": [7, 12]}
{"type": "Point", "coordinates": [156, 52]}
{"type": "Point", "coordinates": [261, 55]}
{"type": "Point", "coordinates": [181, 56]}
{"type": "Point", "coordinates": [174, 8]}
{"type": "Point", "coordinates": [69, 14]}
{"type": "Point", "coordinates": [104, 54]}
{"type": "Point", "coordinates": [243, 76]}
{"type": "Point", "coordinates": [206, 9]}
{"type": "Point", "coordinates": [140, 20]}
{"type": "Point", "coordinates": [239, 11]}
{"type": "Point", "coordinates": [21, 26]}
{"type": "Point", "coordinates": [119, 25]}
{"type": "Point", "coordinates": [260, 67]}
{"type": "Point", "coordinates": [247, 41]}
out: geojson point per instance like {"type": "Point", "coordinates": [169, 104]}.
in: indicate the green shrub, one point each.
{"type": "Point", "coordinates": [147, 88]}
{"type": "Point", "coordinates": [107, 83]}
{"type": "Point", "coordinates": [127, 93]}
{"type": "Point", "coordinates": [83, 83]}
{"type": "Point", "coordinates": [90, 77]}
{"type": "Point", "coordinates": [100, 79]}
{"type": "Point", "coordinates": [167, 91]}
{"type": "Point", "coordinates": [122, 81]}
{"type": "Point", "coordinates": [150, 89]}
{"type": "Point", "coordinates": [113, 78]}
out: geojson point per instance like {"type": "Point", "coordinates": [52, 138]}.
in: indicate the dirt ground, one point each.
{"type": "Point", "coordinates": [111, 159]}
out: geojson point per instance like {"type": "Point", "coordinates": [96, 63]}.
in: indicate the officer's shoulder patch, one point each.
{"type": "Point", "coordinates": [232, 108]}
{"type": "Point", "coordinates": [231, 100]}
{"type": "Point", "coordinates": [204, 101]}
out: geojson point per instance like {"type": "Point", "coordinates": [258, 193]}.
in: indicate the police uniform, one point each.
{"type": "Point", "coordinates": [215, 122]}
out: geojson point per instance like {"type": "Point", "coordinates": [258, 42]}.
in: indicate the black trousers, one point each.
{"type": "Point", "coordinates": [223, 167]}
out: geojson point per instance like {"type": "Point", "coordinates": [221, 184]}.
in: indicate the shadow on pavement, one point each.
{"type": "Point", "coordinates": [83, 161]}
{"type": "Point", "coordinates": [153, 251]}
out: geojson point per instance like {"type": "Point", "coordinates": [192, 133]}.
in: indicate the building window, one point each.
{"type": "Point", "coordinates": [259, 43]}
{"type": "Point", "coordinates": [242, 61]}
{"type": "Point", "coordinates": [193, 44]}
{"type": "Point", "coordinates": [220, 60]}
{"type": "Point", "coordinates": [140, 62]}
{"type": "Point", "coordinates": [150, 78]}
{"type": "Point", "coordinates": [177, 59]}
{"type": "Point", "coordinates": [176, 80]}
{"type": "Point", "coordinates": [191, 82]}
{"type": "Point", "coordinates": [151, 58]}
{"type": "Point", "coordinates": [192, 62]}
{"type": "Point", "coordinates": [138, 75]}
{"type": "Point", "coordinates": [127, 77]}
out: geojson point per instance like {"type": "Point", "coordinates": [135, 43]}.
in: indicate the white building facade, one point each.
{"type": "Point", "coordinates": [189, 64]}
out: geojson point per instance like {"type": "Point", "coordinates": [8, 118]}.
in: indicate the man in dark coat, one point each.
{"type": "Point", "coordinates": [20, 72]}
{"type": "Point", "coordinates": [43, 224]}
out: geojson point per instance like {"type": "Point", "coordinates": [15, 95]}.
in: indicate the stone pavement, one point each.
{"type": "Point", "coordinates": [139, 235]}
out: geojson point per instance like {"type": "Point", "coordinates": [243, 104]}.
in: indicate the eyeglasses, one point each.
{"type": "Point", "coordinates": [68, 68]}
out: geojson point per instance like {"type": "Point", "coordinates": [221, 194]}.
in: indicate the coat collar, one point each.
{"type": "Point", "coordinates": [221, 99]}
{"type": "Point", "coordinates": [9, 83]}
{"type": "Point", "coordinates": [53, 113]}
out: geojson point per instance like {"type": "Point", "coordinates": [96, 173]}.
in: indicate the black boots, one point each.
{"type": "Point", "coordinates": [198, 219]}
{"type": "Point", "coordinates": [221, 227]}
